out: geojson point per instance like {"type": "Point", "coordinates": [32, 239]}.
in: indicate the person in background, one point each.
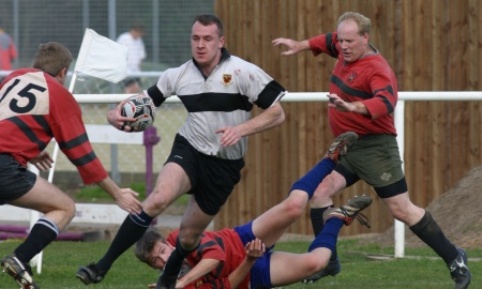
{"type": "Point", "coordinates": [34, 108]}
{"type": "Point", "coordinates": [136, 52]}
{"type": "Point", "coordinates": [363, 93]}
{"type": "Point", "coordinates": [219, 92]}
{"type": "Point", "coordinates": [8, 50]}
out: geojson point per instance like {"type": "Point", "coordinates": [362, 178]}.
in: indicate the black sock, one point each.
{"type": "Point", "coordinates": [316, 215]}
{"type": "Point", "coordinates": [174, 263]}
{"type": "Point", "coordinates": [42, 234]}
{"type": "Point", "coordinates": [131, 230]}
{"type": "Point", "coordinates": [429, 232]}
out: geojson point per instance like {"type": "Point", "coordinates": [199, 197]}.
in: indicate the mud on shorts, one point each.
{"type": "Point", "coordinates": [212, 178]}
{"type": "Point", "coordinates": [260, 277]}
{"type": "Point", "coordinates": [15, 179]}
{"type": "Point", "coordinates": [376, 160]}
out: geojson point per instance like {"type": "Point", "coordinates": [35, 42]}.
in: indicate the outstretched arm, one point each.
{"type": "Point", "coordinates": [269, 118]}
{"type": "Point", "coordinates": [125, 198]}
{"type": "Point", "coordinates": [202, 268]}
{"type": "Point", "coordinates": [292, 46]}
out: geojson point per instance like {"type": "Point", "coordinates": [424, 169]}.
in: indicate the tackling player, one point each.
{"type": "Point", "coordinates": [34, 108]}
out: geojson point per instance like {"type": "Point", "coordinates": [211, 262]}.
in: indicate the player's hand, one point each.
{"type": "Point", "coordinates": [43, 161]}
{"type": "Point", "coordinates": [152, 286]}
{"type": "Point", "coordinates": [230, 136]}
{"type": "Point", "coordinates": [128, 201]}
{"type": "Point", "coordinates": [115, 118]}
{"type": "Point", "coordinates": [255, 249]}
{"type": "Point", "coordinates": [291, 45]}
{"type": "Point", "coordinates": [337, 103]}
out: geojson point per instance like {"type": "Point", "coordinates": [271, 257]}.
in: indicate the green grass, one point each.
{"type": "Point", "coordinates": [61, 260]}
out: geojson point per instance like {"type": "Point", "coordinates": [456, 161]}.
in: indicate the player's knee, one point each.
{"type": "Point", "coordinates": [156, 203]}
{"type": "Point", "coordinates": [294, 207]}
{"type": "Point", "coordinates": [314, 264]}
{"type": "Point", "coordinates": [67, 210]}
{"type": "Point", "coordinates": [189, 237]}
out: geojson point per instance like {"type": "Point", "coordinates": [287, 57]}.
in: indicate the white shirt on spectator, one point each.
{"type": "Point", "coordinates": [136, 51]}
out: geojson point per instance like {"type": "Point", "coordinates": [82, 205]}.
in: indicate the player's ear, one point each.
{"type": "Point", "coordinates": [62, 75]}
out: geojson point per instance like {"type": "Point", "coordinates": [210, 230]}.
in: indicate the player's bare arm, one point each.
{"type": "Point", "coordinates": [125, 198]}
{"type": "Point", "coordinates": [269, 118]}
{"type": "Point", "coordinates": [254, 250]}
{"type": "Point", "coordinates": [339, 104]}
{"type": "Point", "coordinates": [292, 46]}
{"type": "Point", "coordinates": [200, 269]}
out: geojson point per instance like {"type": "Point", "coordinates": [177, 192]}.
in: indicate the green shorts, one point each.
{"type": "Point", "coordinates": [376, 160]}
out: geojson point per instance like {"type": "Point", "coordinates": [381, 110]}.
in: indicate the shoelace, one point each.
{"type": "Point", "coordinates": [362, 219]}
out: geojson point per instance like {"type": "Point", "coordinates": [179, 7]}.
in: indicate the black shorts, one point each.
{"type": "Point", "coordinates": [15, 179]}
{"type": "Point", "coordinates": [212, 178]}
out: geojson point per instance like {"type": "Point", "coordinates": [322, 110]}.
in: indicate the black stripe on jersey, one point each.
{"type": "Point", "coordinates": [44, 124]}
{"type": "Point", "coordinates": [386, 101]}
{"type": "Point", "coordinates": [85, 159]}
{"type": "Point", "coordinates": [348, 90]}
{"type": "Point", "coordinates": [216, 102]}
{"type": "Point", "coordinates": [156, 95]}
{"type": "Point", "coordinates": [27, 131]}
{"type": "Point", "coordinates": [330, 45]}
{"type": "Point", "coordinates": [74, 142]}
{"type": "Point", "coordinates": [269, 94]}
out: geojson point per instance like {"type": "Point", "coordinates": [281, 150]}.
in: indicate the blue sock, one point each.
{"type": "Point", "coordinates": [328, 237]}
{"type": "Point", "coordinates": [310, 181]}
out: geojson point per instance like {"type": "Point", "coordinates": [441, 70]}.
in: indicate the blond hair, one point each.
{"type": "Point", "coordinates": [363, 22]}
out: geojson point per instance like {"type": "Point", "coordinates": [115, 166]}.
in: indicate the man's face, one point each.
{"type": "Point", "coordinates": [353, 45]}
{"type": "Point", "coordinates": [206, 44]}
{"type": "Point", "coordinates": [159, 255]}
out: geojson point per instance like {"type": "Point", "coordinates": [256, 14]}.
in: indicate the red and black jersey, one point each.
{"type": "Point", "coordinates": [369, 80]}
{"type": "Point", "coordinates": [225, 246]}
{"type": "Point", "coordinates": [34, 108]}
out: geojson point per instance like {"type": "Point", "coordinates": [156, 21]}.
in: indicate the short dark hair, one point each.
{"type": "Point", "coordinates": [145, 245]}
{"type": "Point", "coordinates": [52, 57]}
{"type": "Point", "coordinates": [208, 19]}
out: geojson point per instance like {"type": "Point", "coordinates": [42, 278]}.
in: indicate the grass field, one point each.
{"type": "Point", "coordinates": [61, 260]}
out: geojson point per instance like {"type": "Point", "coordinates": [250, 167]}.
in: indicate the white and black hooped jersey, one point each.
{"type": "Point", "coordinates": [224, 98]}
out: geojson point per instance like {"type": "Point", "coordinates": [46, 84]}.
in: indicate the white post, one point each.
{"type": "Point", "coordinates": [399, 227]}
{"type": "Point", "coordinates": [34, 216]}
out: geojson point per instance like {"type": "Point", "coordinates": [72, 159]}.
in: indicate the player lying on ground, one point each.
{"type": "Point", "coordinates": [224, 260]}
{"type": "Point", "coordinates": [214, 263]}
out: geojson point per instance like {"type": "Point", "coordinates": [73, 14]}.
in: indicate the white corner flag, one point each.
{"type": "Point", "coordinates": [101, 57]}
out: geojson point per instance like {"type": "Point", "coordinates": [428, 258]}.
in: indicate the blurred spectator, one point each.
{"type": "Point", "coordinates": [136, 52]}
{"type": "Point", "coordinates": [8, 51]}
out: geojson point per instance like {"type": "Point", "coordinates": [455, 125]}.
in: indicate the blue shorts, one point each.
{"type": "Point", "coordinates": [15, 179]}
{"type": "Point", "coordinates": [260, 272]}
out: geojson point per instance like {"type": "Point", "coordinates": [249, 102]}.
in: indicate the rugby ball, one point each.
{"type": "Point", "coordinates": [142, 109]}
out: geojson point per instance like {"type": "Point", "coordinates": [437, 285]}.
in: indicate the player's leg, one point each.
{"type": "Point", "coordinates": [300, 266]}
{"type": "Point", "coordinates": [171, 183]}
{"type": "Point", "coordinates": [271, 225]}
{"type": "Point", "coordinates": [193, 224]}
{"type": "Point", "coordinates": [423, 225]}
{"type": "Point", "coordinates": [216, 179]}
{"type": "Point", "coordinates": [58, 210]}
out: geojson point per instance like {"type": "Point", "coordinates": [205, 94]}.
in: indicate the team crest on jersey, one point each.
{"type": "Point", "coordinates": [352, 76]}
{"type": "Point", "coordinates": [227, 79]}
